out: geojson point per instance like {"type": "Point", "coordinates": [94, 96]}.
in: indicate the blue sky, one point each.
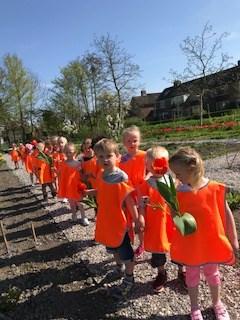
{"type": "Point", "coordinates": [47, 34]}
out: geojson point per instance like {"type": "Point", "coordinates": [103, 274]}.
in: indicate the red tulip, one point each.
{"type": "Point", "coordinates": [82, 187]}
{"type": "Point", "coordinates": [160, 166]}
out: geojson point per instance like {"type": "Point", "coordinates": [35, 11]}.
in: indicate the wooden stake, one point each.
{"type": "Point", "coordinates": [4, 238]}
{"type": "Point", "coordinates": [34, 233]}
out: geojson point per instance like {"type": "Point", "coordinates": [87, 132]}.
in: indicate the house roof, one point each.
{"type": "Point", "coordinates": [146, 100]}
{"type": "Point", "coordinates": [218, 78]}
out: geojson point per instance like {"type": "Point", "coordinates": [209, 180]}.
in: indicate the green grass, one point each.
{"type": "Point", "coordinates": [155, 132]}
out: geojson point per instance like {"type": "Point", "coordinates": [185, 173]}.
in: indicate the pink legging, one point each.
{"type": "Point", "coordinates": [210, 271]}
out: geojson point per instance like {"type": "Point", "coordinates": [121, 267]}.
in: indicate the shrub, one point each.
{"type": "Point", "coordinates": [233, 199]}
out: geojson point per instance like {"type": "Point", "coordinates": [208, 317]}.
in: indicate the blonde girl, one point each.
{"type": "Point", "coordinates": [214, 241]}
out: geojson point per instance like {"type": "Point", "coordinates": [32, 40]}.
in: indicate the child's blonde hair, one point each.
{"type": "Point", "coordinates": [54, 139]}
{"type": "Point", "coordinates": [106, 146]}
{"type": "Point", "coordinates": [69, 145]}
{"type": "Point", "coordinates": [130, 130]}
{"type": "Point", "coordinates": [157, 152]}
{"type": "Point", "coordinates": [64, 140]}
{"type": "Point", "coordinates": [190, 159]}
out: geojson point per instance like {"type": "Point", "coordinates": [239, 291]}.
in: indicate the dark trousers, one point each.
{"type": "Point", "coordinates": [44, 190]}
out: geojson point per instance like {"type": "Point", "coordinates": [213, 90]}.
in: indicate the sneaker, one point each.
{"type": "Point", "coordinates": [221, 312]}
{"type": "Point", "coordinates": [196, 315]}
{"type": "Point", "coordinates": [159, 282]}
{"type": "Point", "coordinates": [84, 222]}
{"type": "Point", "coordinates": [182, 278]}
{"type": "Point", "coordinates": [124, 290]}
{"type": "Point", "coordinates": [117, 273]}
{"type": "Point", "coordinates": [139, 251]}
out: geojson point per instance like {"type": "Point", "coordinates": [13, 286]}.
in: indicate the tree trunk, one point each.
{"type": "Point", "coordinates": [201, 110]}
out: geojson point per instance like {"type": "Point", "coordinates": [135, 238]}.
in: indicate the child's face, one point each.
{"type": "Point", "coordinates": [131, 142]}
{"type": "Point", "coordinates": [70, 153]}
{"type": "Point", "coordinates": [40, 147]}
{"type": "Point", "coordinates": [62, 142]}
{"type": "Point", "coordinates": [87, 143]}
{"type": "Point", "coordinates": [55, 147]}
{"type": "Point", "coordinates": [107, 160]}
{"type": "Point", "coordinates": [182, 173]}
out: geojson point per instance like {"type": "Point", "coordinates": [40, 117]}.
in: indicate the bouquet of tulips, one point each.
{"type": "Point", "coordinates": [184, 222]}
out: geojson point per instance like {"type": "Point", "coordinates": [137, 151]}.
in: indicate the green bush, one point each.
{"type": "Point", "coordinates": [233, 199]}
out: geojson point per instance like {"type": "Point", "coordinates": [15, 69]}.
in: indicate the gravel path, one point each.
{"type": "Point", "coordinates": [173, 302]}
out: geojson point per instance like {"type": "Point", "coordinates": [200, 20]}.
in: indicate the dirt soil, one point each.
{"type": "Point", "coordinates": [52, 279]}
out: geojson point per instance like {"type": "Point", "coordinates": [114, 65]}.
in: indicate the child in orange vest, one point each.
{"type": "Point", "coordinates": [215, 239]}
{"type": "Point", "coordinates": [22, 152]}
{"type": "Point", "coordinates": [157, 221]}
{"type": "Point", "coordinates": [15, 156]}
{"type": "Point", "coordinates": [113, 195]}
{"type": "Point", "coordinates": [133, 163]}
{"type": "Point", "coordinates": [62, 141]}
{"type": "Point", "coordinates": [43, 169]}
{"type": "Point", "coordinates": [90, 167]}
{"type": "Point", "coordinates": [70, 185]}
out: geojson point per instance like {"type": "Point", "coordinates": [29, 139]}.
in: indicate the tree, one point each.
{"type": "Point", "coordinates": [204, 57]}
{"type": "Point", "coordinates": [18, 88]}
{"type": "Point", "coordinates": [70, 93]}
{"type": "Point", "coordinates": [94, 72]}
{"type": "Point", "coordinates": [32, 99]}
{"type": "Point", "coordinates": [119, 71]}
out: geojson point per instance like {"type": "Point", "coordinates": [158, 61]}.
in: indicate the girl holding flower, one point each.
{"type": "Point", "coordinates": [215, 238]}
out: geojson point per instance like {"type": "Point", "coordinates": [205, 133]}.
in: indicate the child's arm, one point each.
{"type": "Point", "coordinates": [231, 228]}
{"type": "Point", "coordinates": [90, 192]}
{"type": "Point", "coordinates": [143, 201]}
{"type": "Point", "coordinates": [132, 208]}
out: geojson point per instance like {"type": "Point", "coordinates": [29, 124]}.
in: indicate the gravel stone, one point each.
{"type": "Point", "coordinates": [170, 304]}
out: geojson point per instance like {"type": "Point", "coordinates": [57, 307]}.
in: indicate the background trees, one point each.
{"type": "Point", "coordinates": [18, 91]}
{"type": "Point", "coordinates": [87, 89]}
{"type": "Point", "coordinates": [204, 57]}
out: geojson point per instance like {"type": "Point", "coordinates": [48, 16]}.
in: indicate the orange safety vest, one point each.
{"type": "Point", "coordinates": [57, 157]}
{"type": "Point", "coordinates": [156, 239]}
{"type": "Point", "coordinates": [14, 155]}
{"type": "Point", "coordinates": [43, 171]}
{"type": "Point", "coordinates": [111, 224]}
{"type": "Point", "coordinates": [135, 167]}
{"type": "Point", "coordinates": [22, 151]}
{"type": "Point", "coordinates": [209, 244]}
{"type": "Point", "coordinates": [28, 163]}
{"type": "Point", "coordinates": [70, 185]}
{"type": "Point", "coordinates": [91, 167]}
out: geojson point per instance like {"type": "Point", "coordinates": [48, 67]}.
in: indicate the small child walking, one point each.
{"type": "Point", "coordinates": [154, 214]}
{"type": "Point", "coordinates": [133, 163]}
{"type": "Point", "coordinates": [15, 156]}
{"type": "Point", "coordinates": [215, 239]}
{"type": "Point", "coordinates": [70, 185]}
{"type": "Point", "coordinates": [113, 194]}
{"type": "Point", "coordinates": [43, 169]}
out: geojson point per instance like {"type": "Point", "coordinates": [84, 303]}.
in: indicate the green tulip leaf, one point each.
{"type": "Point", "coordinates": [172, 186]}
{"type": "Point", "coordinates": [167, 195]}
{"type": "Point", "coordinates": [185, 223]}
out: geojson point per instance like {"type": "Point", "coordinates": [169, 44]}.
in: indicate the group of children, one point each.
{"type": "Point", "coordinates": [129, 204]}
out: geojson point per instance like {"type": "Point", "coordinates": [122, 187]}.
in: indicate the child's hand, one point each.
{"type": "Point", "coordinates": [143, 202]}
{"type": "Point", "coordinates": [235, 245]}
{"type": "Point", "coordinates": [139, 224]}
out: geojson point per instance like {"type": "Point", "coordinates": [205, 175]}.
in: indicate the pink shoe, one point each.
{"type": "Point", "coordinates": [196, 315]}
{"type": "Point", "coordinates": [221, 312]}
{"type": "Point", "coordinates": [139, 251]}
